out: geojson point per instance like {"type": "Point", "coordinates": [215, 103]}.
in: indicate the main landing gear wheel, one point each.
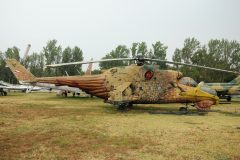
{"type": "Point", "coordinates": [64, 93]}
{"type": "Point", "coordinates": [229, 98]}
{"type": "Point", "coordinates": [3, 93]}
{"type": "Point", "coordinates": [183, 110]}
{"type": "Point", "coordinates": [123, 106]}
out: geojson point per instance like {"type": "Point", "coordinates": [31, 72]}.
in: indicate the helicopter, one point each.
{"type": "Point", "coordinates": [138, 83]}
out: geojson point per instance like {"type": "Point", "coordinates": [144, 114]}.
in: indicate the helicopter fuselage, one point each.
{"type": "Point", "coordinates": [138, 85]}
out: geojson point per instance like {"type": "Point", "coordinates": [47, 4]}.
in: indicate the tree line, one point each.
{"type": "Point", "coordinates": [216, 53]}
{"type": "Point", "coordinates": [158, 51]}
{"type": "Point", "coordinates": [223, 54]}
{"type": "Point", "coordinates": [52, 53]}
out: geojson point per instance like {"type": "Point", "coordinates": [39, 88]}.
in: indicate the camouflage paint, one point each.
{"type": "Point", "coordinates": [129, 84]}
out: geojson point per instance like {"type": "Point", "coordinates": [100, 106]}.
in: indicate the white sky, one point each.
{"type": "Point", "coordinates": [98, 26]}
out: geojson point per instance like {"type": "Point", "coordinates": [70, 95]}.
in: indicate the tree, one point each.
{"type": "Point", "coordinates": [12, 53]}
{"type": "Point", "coordinates": [120, 51]}
{"type": "Point", "coordinates": [191, 46]}
{"type": "Point", "coordinates": [71, 55]}
{"type": "Point", "coordinates": [5, 74]}
{"type": "Point", "coordinates": [52, 53]}
{"type": "Point", "coordinates": [2, 67]}
{"type": "Point", "coordinates": [36, 64]}
{"type": "Point", "coordinates": [134, 49]}
{"type": "Point", "coordinates": [235, 56]}
{"type": "Point", "coordinates": [142, 49]}
{"type": "Point", "coordinates": [221, 54]}
{"type": "Point", "coordinates": [66, 57]}
{"type": "Point", "coordinates": [96, 71]}
{"type": "Point", "coordinates": [159, 52]}
{"type": "Point", "coordinates": [77, 55]}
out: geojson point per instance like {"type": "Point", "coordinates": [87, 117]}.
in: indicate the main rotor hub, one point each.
{"type": "Point", "coordinates": [140, 60]}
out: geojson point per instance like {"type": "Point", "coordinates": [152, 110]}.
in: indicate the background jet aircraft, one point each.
{"type": "Point", "coordinates": [23, 88]}
{"type": "Point", "coordinates": [227, 90]}
{"type": "Point", "coordinates": [64, 90]}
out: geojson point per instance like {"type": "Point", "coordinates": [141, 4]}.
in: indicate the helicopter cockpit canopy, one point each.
{"type": "Point", "coordinates": [188, 81]}
{"type": "Point", "coordinates": [208, 90]}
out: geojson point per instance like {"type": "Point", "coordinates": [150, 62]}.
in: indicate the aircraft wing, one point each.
{"type": "Point", "coordinates": [3, 87]}
{"type": "Point", "coordinates": [4, 83]}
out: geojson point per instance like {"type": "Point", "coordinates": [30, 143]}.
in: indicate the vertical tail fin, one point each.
{"type": "Point", "coordinates": [19, 71]}
{"type": "Point", "coordinates": [236, 80]}
{"type": "Point", "coordinates": [26, 52]}
{"type": "Point", "coordinates": [89, 69]}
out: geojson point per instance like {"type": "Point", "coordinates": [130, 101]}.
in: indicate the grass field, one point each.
{"type": "Point", "coordinates": [44, 126]}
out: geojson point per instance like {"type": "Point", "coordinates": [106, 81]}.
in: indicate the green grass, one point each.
{"type": "Point", "coordinates": [44, 126]}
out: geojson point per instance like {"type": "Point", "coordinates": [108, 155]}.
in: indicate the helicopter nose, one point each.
{"type": "Point", "coordinates": [210, 95]}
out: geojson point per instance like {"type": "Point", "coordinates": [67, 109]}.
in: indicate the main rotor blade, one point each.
{"type": "Point", "coordinates": [192, 65]}
{"type": "Point", "coordinates": [87, 62]}
{"type": "Point", "coordinates": [142, 59]}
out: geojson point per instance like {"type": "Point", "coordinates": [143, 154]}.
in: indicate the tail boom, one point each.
{"type": "Point", "coordinates": [94, 85]}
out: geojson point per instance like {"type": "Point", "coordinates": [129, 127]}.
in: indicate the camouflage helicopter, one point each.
{"type": "Point", "coordinates": [139, 83]}
{"type": "Point", "coordinates": [226, 90]}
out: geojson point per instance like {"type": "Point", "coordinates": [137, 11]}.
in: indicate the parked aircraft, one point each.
{"type": "Point", "coordinates": [23, 88]}
{"type": "Point", "coordinates": [227, 90]}
{"type": "Point", "coordinates": [138, 83]}
{"type": "Point", "coordinates": [63, 89]}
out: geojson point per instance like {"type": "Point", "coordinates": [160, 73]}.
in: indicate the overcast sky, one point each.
{"type": "Point", "coordinates": [98, 26]}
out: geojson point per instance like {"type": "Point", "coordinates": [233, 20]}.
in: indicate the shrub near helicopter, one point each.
{"type": "Point", "coordinates": [138, 83]}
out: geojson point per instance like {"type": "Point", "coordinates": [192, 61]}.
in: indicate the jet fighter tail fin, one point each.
{"type": "Point", "coordinates": [89, 69]}
{"type": "Point", "coordinates": [236, 80]}
{"type": "Point", "coordinates": [19, 71]}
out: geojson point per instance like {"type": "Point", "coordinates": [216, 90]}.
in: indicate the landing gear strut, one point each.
{"type": "Point", "coordinates": [64, 93]}
{"type": "Point", "coordinates": [2, 92]}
